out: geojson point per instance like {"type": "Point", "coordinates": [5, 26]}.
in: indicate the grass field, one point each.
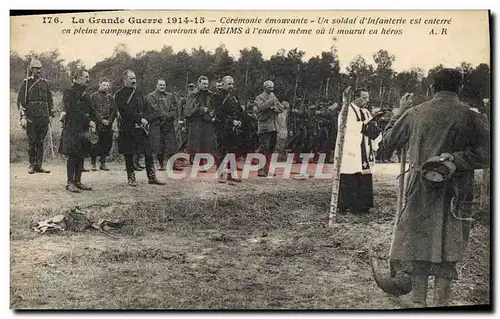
{"type": "Point", "coordinates": [197, 244]}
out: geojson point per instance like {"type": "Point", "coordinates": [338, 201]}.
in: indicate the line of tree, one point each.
{"type": "Point", "coordinates": [318, 78]}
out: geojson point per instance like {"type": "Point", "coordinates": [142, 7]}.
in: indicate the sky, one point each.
{"type": "Point", "coordinates": [467, 37]}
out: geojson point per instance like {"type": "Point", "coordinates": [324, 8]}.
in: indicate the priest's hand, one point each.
{"type": "Point", "coordinates": [144, 121]}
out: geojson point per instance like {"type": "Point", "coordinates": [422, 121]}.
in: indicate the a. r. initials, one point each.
{"type": "Point", "coordinates": [444, 31]}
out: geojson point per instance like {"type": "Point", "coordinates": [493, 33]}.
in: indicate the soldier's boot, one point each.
{"type": "Point", "coordinates": [131, 179]}
{"type": "Point", "coordinates": [38, 166]}
{"type": "Point", "coordinates": [442, 292]}
{"type": "Point", "coordinates": [94, 164]}
{"type": "Point", "coordinates": [32, 158]}
{"type": "Point", "coordinates": [152, 177]}
{"type": "Point", "coordinates": [103, 166]}
{"type": "Point", "coordinates": [72, 188]}
{"type": "Point", "coordinates": [221, 178]}
{"type": "Point", "coordinates": [137, 166]}
{"type": "Point", "coordinates": [419, 291]}
{"type": "Point", "coordinates": [82, 186]}
{"type": "Point", "coordinates": [232, 180]}
{"type": "Point", "coordinates": [79, 184]}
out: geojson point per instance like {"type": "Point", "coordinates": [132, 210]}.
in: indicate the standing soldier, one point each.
{"type": "Point", "coordinates": [323, 117]}
{"type": "Point", "coordinates": [267, 108]}
{"type": "Point", "coordinates": [161, 113]}
{"type": "Point", "coordinates": [297, 130]}
{"type": "Point", "coordinates": [104, 105]}
{"type": "Point", "coordinates": [201, 116]}
{"type": "Point", "coordinates": [446, 143]}
{"type": "Point", "coordinates": [80, 118]}
{"type": "Point", "coordinates": [133, 134]}
{"type": "Point", "coordinates": [182, 129]}
{"type": "Point", "coordinates": [229, 116]}
{"type": "Point", "coordinates": [35, 104]}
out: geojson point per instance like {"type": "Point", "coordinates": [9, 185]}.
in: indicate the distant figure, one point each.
{"type": "Point", "coordinates": [104, 105]}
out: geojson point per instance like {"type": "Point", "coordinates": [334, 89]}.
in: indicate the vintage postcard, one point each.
{"type": "Point", "coordinates": [250, 160]}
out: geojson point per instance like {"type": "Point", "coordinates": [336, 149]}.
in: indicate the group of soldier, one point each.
{"type": "Point", "coordinates": [154, 126]}
{"type": "Point", "coordinates": [158, 125]}
{"type": "Point", "coordinates": [442, 135]}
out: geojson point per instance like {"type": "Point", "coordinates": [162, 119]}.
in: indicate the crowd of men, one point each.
{"type": "Point", "coordinates": [157, 125]}
{"type": "Point", "coordinates": [446, 141]}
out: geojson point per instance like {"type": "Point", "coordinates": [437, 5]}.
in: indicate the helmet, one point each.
{"type": "Point", "coordinates": [437, 171]}
{"type": "Point", "coordinates": [35, 63]}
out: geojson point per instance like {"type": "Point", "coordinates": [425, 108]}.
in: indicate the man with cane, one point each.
{"type": "Point", "coordinates": [35, 104]}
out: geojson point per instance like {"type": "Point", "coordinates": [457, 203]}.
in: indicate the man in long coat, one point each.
{"type": "Point", "coordinates": [161, 113]}
{"type": "Point", "coordinates": [200, 114]}
{"type": "Point", "coordinates": [432, 232]}
{"type": "Point", "coordinates": [133, 133]}
{"type": "Point", "coordinates": [267, 107]}
{"type": "Point", "coordinates": [360, 142]}
{"type": "Point", "coordinates": [229, 118]}
{"type": "Point", "coordinates": [80, 118]}
{"type": "Point", "coordinates": [104, 105]}
{"type": "Point", "coordinates": [35, 104]}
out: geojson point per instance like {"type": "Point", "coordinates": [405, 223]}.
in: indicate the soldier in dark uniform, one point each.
{"type": "Point", "coordinates": [80, 117]}
{"type": "Point", "coordinates": [161, 113]}
{"type": "Point", "coordinates": [34, 101]}
{"type": "Point", "coordinates": [133, 133]}
{"type": "Point", "coordinates": [297, 130]}
{"type": "Point", "coordinates": [104, 105]}
{"type": "Point", "coordinates": [229, 118]}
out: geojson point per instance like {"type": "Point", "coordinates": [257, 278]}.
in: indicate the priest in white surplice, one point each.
{"type": "Point", "coordinates": [362, 137]}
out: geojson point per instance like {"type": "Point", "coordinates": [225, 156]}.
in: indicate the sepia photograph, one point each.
{"type": "Point", "coordinates": [250, 160]}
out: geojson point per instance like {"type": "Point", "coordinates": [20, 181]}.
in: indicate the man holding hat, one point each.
{"type": "Point", "coordinates": [35, 104]}
{"type": "Point", "coordinates": [446, 142]}
{"type": "Point", "coordinates": [267, 107]}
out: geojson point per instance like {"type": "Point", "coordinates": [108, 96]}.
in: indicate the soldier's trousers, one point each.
{"type": "Point", "coordinates": [103, 146]}
{"type": "Point", "coordinates": [267, 141]}
{"type": "Point", "coordinates": [74, 169]}
{"type": "Point", "coordinates": [148, 159]}
{"type": "Point", "coordinates": [36, 131]}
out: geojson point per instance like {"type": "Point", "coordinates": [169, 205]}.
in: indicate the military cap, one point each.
{"type": "Point", "coordinates": [268, 83]}
{"type": "Point", "coordinates": [438, 171]}
{"type": "Point", "coordinates": [35, 63]}
{"type": "Point", "coordinates": [191, 85]}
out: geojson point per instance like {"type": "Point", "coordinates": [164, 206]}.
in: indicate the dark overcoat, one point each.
{"type": "Point", "coordinates": [227, 109]}
{"type": "Point", "coordinates": [79, 112]}
{"type": "Point", "coordinates": [131, 138]}
{"type": "Point", "coordinates": [432, 226]}
{"type": "Point", "coordinates": [201, 130]}
{"type": "Point", "coordinates": [161, 112]}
